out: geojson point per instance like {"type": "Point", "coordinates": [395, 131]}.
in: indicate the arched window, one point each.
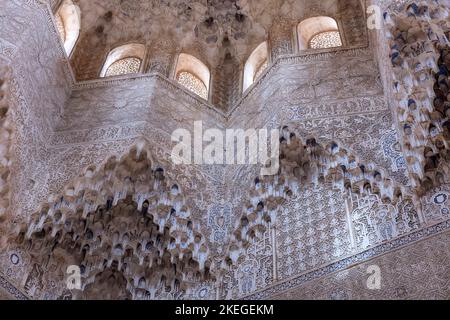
{"type": "Point", "coordinates": [318, 33]}
{"type": "Point", "coordinates": [255, 65]}
{"type": "Point", "coordinates": [126, 59]}
{"type": "Point", "coordinates": [193, 75]}
{"type": "Point", "coordinates": [68, 22]}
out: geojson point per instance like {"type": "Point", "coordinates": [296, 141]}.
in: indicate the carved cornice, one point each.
{"type": "Point", "coordinates": [340, 108]}
{"type": "Point", "coordinates": [103, 134]}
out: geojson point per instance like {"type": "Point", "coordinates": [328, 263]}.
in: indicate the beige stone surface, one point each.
{"type": "Point", "coordinates": [86, 176]}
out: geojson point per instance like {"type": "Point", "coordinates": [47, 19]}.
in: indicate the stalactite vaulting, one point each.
{"type": "Point", "coordinates": [306, 161]}
{"type": "Point", "coordinates": [118, 124]}
{"type": "Point", "coordinates": [419, 55]}
{"type": "Point", "coordinates": [125, 214]}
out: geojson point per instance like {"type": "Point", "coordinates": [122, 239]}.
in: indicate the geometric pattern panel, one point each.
{"type": "Point", "coordinates": [312, 230]}
{"type": "Point", "coordinates": [418, 271]}
{"type": "Point", "coordinates": [329, 39]}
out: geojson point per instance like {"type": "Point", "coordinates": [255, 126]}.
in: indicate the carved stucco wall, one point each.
{"type": "Point", "coordinates": [335, 95]}
{"type": "Point", "coordinates": [418, 271]}
{"type": "Point", "coordinates": [316, 236]}
{"type": "Point", "coordinates": [41, 84]}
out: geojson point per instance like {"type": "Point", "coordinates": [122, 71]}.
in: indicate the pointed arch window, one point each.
{"type": "Point", "coordinates": [68, 23]}
{"type": "Point", "coordinates": [255, 65]}
{"type": "Point", "coordinates": [193, 74]}
{"type": "Point", "coordinates": [318, 33]}
{"type": "Point", "coordinates": [126, 59]}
